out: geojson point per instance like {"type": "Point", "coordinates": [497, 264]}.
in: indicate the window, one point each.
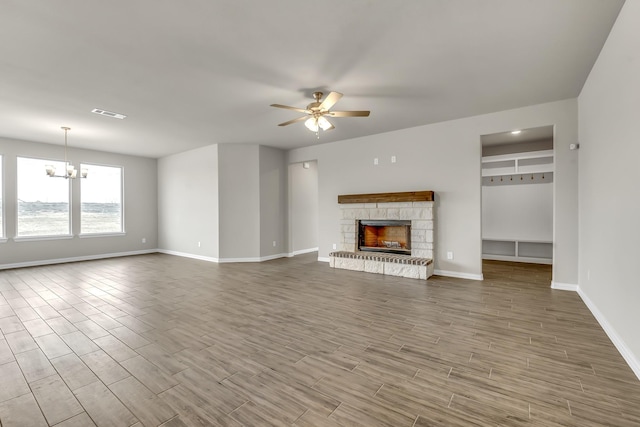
{"type": "Point", "coordinates": [101, 196]}
{"type": "Point", "coordinates": [1, 209]}
{"type": "Point", "coordinates": [43, 202]}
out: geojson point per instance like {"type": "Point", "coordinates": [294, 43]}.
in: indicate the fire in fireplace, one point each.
{"type": "Point", "coordinates": [392, 236]}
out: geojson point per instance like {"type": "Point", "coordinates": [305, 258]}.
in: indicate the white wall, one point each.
{"type": "Point", "coordinates": [609, 108]}
{"type": "Point", "coordinates": [188, 202]}
{"type": "Point", "coordinates": [518, 212]}
{"type": "Point", "coordinates": [445, 157]}
{"type": "Point", "coordinates": [140, 207]}
{"type": "Point", "coordinates": [273, 202]}
{"type": "Point", "coordinates": [303, 218]}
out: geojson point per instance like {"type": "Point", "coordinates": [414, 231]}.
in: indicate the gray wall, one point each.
{"type": "Point", "coordinates": [232, 198]}
{"type": "Point", "coordinates": [273, 202]}
{"type": "Point", "coordinates": [140, 207]}
{"type": "Point", "coordinates": [239, 201]}
{"type": "Point", "coordinates": [445, 157]}
{"type": "Point", "coordinates": [609, 206]}
{"type": "Point", "coordinates": [188, 202]}
{"type": "Point", "coordinates": [303, 199]}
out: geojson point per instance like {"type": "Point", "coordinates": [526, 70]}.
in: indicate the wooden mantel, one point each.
{"type": "Point", "coordinates": [408, 196]}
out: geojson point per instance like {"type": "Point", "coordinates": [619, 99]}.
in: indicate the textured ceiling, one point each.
{"type": "Point", "coordinates": [200, 72]}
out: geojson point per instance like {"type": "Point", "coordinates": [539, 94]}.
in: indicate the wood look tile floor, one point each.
{"type": "Point", "coordinates": [158, 340]}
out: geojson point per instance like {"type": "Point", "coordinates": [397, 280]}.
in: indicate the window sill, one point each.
{"type": "Point", "coordinates": [3, 240]}
{"type": "Point", "coordinates": [40, 238]}
{"type": "Point", "coordinates": [91, 235]}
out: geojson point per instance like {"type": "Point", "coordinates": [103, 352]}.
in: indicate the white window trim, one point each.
{"type": "Point", "coordinates": [3, 229]}
{"type": "Point", "coordinates": [91, 235]}
{"type": "Point", "coordinates": [39, 238]}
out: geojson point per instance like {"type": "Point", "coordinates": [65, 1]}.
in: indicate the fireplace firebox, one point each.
{"type": "Point", "coordinates": [391, 236]}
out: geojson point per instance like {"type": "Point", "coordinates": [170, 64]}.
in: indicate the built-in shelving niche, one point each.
{"type": "Point", "coordinates": [534, 167]}
{"type": "Point", "coordinates": [533, 162]}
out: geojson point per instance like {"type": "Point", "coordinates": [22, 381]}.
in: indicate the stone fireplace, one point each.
{"type": "Point", "coordinates": [405, 249]}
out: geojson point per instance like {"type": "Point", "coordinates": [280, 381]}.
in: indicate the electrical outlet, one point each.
{"type": "Point", "coordinates": [144, 240]}
{"type": "Point", "coordinates": [198, 244]}
{"type": "Point", "coordinates": [450, 255]}
{"type": "Point", "coordinates": [335, 246]}
{"type": "Point", "coordinates": [274, 243]}
{"type": "Point", "coordinates": [375, 161]}
{"type": "Point", "coordinates": [393, 159]}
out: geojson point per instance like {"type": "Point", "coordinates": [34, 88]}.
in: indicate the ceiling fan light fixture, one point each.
{"type": "Point", "coordinates": [316, 111]}
{"type": "Point", "coordinates": [323, 123]}
{"type": "Point", "coordinates": [312, 124]}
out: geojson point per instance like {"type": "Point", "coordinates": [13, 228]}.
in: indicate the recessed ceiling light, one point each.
{"type": "Point", "coordinates": [515, 132]}
{"type": "Point", "coordinates": [108, 113]}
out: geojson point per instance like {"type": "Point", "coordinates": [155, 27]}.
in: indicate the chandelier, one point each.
{"type": "Point", "coordinates": [70, 170]}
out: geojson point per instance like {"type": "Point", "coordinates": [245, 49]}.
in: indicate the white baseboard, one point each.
{"type": "Point", "coordinates": [274, 256]}
{"type": "Point", "coordinates": [75, 259]}
{"type": "Point", "coordinates": [230, 260]}
{"type": "Point", "coordinates": [564, 286]}
{"type": "Point", "coordinates": [253, 259]}
{"type": "Point", "coordinates": [632, 360]}
{"type": "Point", "coordinates": [223, 260]}
{"type": "Point", "coordinates": [323, 259]}
{"type": "Point", "coordinates": [303, 251]}
{"type": "Point", "coordinates": [188, 255]}
{"type": "Point", "coordinates": [458, 274]}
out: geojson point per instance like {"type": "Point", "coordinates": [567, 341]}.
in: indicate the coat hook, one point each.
{"type": "Point", "coordinates": [531, 176]}
{"type": "Point", "coordinates": [542, 176]}
{"type": "Point", "coordinates": [520, 177]}
{"type": "Point", "coordinates": [500, 179]}
{"type": "Point", "coordinates": [510, 177]}
{"type": "Point", "coordinates": [491, 179]}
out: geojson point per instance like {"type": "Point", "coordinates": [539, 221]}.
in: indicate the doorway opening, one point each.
{"type": "Point", "coordinates": [517, 196]}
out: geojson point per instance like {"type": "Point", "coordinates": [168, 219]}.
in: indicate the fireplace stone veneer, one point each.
{"type": "Point", "coordinates": [417, 265]}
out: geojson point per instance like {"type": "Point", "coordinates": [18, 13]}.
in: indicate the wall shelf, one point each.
{"type": "Point", "coordinates": [532, 251]}
{"type": "Point", "coordinates": [518, 163]}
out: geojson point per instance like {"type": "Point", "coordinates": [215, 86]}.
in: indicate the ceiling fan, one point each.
{"type": "Point", "coordinates": [318, 111]}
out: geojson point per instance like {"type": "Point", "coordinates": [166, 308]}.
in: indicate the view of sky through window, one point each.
{"type": "Point", "coordinates": [101, 196]}
{"type": "Point", "coordinates": [43, 202]}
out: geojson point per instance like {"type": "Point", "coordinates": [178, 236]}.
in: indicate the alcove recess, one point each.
{"type": "Point", "coordinates": [517, 207]}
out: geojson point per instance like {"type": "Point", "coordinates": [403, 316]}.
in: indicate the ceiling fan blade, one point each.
{"type": "Point", "coordinates": [330, 100]}
{"type": "Point", "coordinates": [330, 128]}
{"type": "Point", "coordinates": [299, 119]}
{"type": "Point", "coordinates": [349, 113]}
{"type": "Point", "coordinates": [286, 107]}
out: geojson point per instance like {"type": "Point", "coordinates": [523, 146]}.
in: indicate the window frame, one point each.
{"type": "Point", "coordinates": [18, 237]}
{"type": "Point", "coordinates": [3, 218]}
{"type": "Point", "coordinates": [122, 232]}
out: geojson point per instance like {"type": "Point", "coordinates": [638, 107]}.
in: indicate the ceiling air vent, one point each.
{"type": "Point", "coordinates": [108, 113]}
